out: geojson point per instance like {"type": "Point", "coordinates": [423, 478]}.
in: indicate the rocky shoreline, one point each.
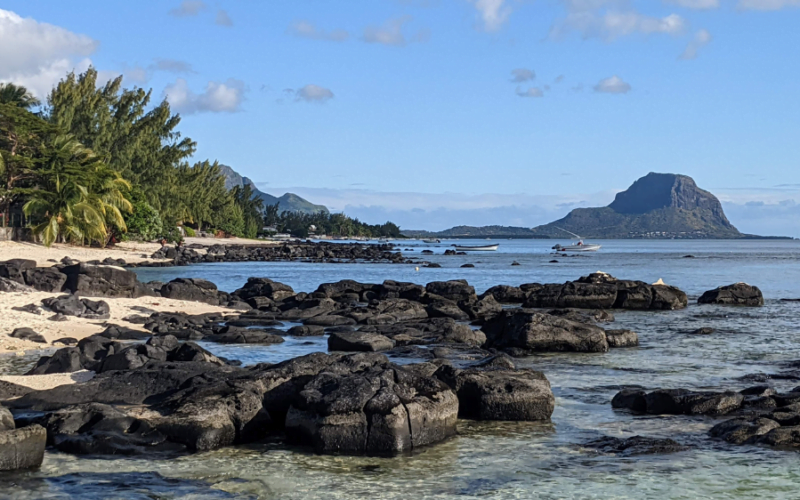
{"type": "Point", "coordinates": [156, 390]}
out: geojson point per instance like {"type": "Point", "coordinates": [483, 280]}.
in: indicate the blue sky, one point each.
{"type": "Point", "coordinates": [443, 112]}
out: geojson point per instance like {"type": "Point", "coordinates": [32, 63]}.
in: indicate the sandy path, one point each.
{"type": "Point", "coordinates": [78, 327]}
{"type": "Point", "coordinates": [44, 382]}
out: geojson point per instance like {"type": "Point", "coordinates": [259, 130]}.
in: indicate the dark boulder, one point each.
{"type": "Point", "coordinates": [622, 338]}
{"type": "Point", "coordinates": [237, 335]}
{"type": "Point", "coordinates": [379, 409]}
{"type": "Point", "coordinates": [8, 285]}
{"type": "Point", "coordinates": [22, 448]}
{"type": "Point", "coordinates": [306, 331]}
{"type": "Point", "coordinates": [359, 341]}
{"type": "Point", "coordinates": [14, 269]}
{"type": "Point", "coordinates": [743, 430]}
{"type": "Point", "coordinates": [506, 294]}
{"type": "Point", "coordinates": [523, 331]}
{"type": "Point", "coordinates": [263, 287]}
{"type": "Point", "coordinates": [738, 294]}
{"type": "Point", "coordinates": [28, 334]}
{"type": "Point", "coordinates": [68, 305]}
{"type": "Point", "coordinates": [45, 279]}
{"type": "Point", "coordinates": [487, 392]}
{"type": "Point", "coordinates": [455, 290]}
{"type": "Point", "coordinates": [101, 281]}
{"type": "Point", "coordinates": [679, 402]}
{"type": "Point", "coordinates": [193, 289]}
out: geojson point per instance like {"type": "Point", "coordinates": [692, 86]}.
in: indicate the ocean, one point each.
{"type": "Point", "coordinates": [499, 460]}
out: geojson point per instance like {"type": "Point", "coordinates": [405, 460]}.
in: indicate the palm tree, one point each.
{"type": "Point", "coordinates": [17, 95]}
{"type": "Point", "coordinates": [77, 195]}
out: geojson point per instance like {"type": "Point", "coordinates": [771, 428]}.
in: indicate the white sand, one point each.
{"type": "Point", "coordinates": [44, 382]}
{"type": "Point", "coordinates": [131, 251]}
{"type": "Point", "coordinates": [78, 327]}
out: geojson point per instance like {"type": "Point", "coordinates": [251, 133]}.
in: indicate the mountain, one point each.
{"type": "Point", "coordinates": [289, 202]}
{"type": "Point", "coordinates": [655, 206]}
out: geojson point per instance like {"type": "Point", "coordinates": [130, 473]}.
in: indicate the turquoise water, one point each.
{"type": "Point", "coordinates": [514, 460]}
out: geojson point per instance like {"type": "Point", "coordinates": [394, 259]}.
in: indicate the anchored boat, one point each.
{"type": "Point", "coordinates": [580, 246]}
{"type": "Point", "coordinates": [431, 241]}
{"type": "Point", "coordinates": [478, 248]}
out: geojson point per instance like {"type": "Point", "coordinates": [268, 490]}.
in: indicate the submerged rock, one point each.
{"type": "Point", "coordinates": [636, 445]}
{"type": "Point", "coordinates": [678, 402]}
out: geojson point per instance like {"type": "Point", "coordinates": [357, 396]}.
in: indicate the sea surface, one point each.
{"type": "Point", "coordinates": [497, 460]}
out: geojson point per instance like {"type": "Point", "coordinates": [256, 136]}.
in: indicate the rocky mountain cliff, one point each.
{"type": "Point", "coordinates": [655, 206]}
{"type": "Point", "coordinates": [289, 202]}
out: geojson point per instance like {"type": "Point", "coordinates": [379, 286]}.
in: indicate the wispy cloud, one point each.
{"type": "Point", "coordinates": [223, 19]}
{"type": "Point", "coordinates": [530, 92]}
{"type": "Point", "coordinates": [305, 29]}
{"type": "Point", "coordinates": [391, 33]}
{"type": "Point", "coordinates": [492, 14]}
{"type": "Point", "coordinates": [695, 4]}
{"type": "Point", "coordinates": [188, 8]}
{"type": "Point", "coordinates": [309, 93]}
{"type": "Point", "coordinates": [522, 75]}
{"type": "Point", "coordinates": [700, 40]}
{"type": "Point", "coordinates": [612, 85]}
{"type": "Point", "coordinates": [767, 4]}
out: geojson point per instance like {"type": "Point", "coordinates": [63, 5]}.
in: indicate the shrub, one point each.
{"type": "Point", "coordinates": [144, 222]}
{"type": "Point", "coordinates": [189, 232]}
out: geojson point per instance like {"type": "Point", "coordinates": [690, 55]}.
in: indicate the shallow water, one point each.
{"type": "Point", "coordinates": [514, 460]}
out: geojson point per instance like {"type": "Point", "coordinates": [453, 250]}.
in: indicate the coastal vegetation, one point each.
{"type": "Point", "coordinates": [98, 163]}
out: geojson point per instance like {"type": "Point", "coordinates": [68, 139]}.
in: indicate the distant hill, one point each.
{"type": "Point", "coordinates": [655, 206]}
{"type": "Point", "coordinates": [289, 202]}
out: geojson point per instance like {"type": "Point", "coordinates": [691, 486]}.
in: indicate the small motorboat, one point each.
{"type": "Point", "coordinates": [478, 248]}
{"type": "Point", "coordinates": [432, 241]}
{"type": "Point", "coordinates": [580, 246]}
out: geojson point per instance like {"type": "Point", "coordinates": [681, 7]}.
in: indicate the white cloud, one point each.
{"type": "Point", "coordinates": [223, 19]}
{"type": "Point", "coordinates": [304, 29]}
{"type": "Point", "coordinates": [218, 97]}
{"type": "Point", "coordinates": [309, 93]}
{"type": "Point", "coordinates": [522, 75]}
{"type": "Point", "coordinates": [37, 55]}
{"type": "Point", "coordinates": [391, 33]}
{"type": "Point", "coordinates": [700, 40]}
{"type": "Point", "coordinates": [614, 24]}
{"type": "Point", "coordinates": [767, 4]}
{"type": "Point", "coordinates": [493, 13]}
{"type": "Point", "coordinates": [531, 92]}
{"type": "Point", "coordinates": [695, 4]}
{"type": "Point", "coordinates": [188, 8]}
{"type": "Point", "coordinates": [612, 85]}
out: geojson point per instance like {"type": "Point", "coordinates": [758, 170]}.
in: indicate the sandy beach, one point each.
{"type": "Point", "coordinates": [131, 251]}
{"type": "Point", "coordinates": [79, 327]}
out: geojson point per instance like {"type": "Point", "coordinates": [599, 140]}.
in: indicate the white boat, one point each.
{"type": "Point", "coordinates": [580, 246]}
{"type": "Point", "coordinates": [479, 248]}
{"type": "Point", "coordinates": [432, 241]}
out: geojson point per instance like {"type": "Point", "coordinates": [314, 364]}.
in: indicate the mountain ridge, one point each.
{"type": "Point", "coordinates": [289, 202]}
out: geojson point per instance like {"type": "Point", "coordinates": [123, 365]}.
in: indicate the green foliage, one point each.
{"type": "Point", "coordinates": [252, 210]}
{"type": "Point", "coordinates": [144, 222]}
{"type": "Point", "coordinates": [76, 196]}
{"type": "Point", "coordinates": [171, 233]}
{"type": "Point", "coordinates": [139, 142]}
{"type": "Point", "coordinates": [189, 232]}
{"type": "Point", "coordinates": [230, 219]}
{"type": "Point", "coordinates": [298, 224]}
{"type": "Point", "coordinates": [17, 95]}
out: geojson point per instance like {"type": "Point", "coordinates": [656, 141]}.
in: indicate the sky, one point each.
{"type": "Point", "coordinates": [435, 113]}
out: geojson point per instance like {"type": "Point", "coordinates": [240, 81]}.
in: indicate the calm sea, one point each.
{"type": "Point", "coordinates": [514, 460]}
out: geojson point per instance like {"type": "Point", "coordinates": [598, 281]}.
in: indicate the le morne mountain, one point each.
{"type": "Point", "coordinates": [655, 206]}
{"type": "Point", "coordinates": [289, 202]}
